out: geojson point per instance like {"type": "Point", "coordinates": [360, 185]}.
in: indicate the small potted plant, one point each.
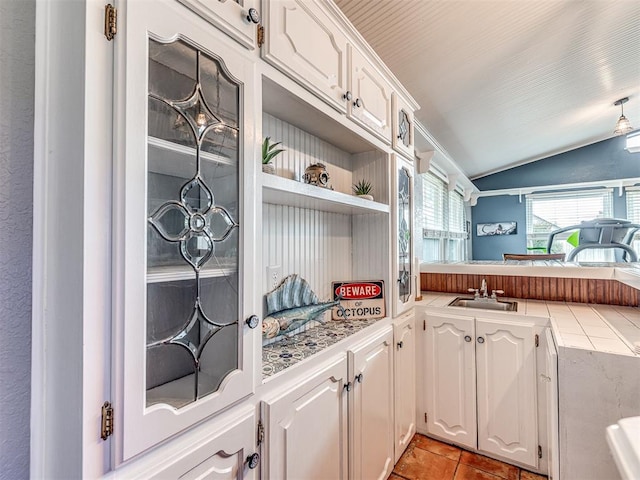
{"type": "Point", "coordinates": [269, 152]}
{"type": "Point", "coordinates": [363, 189]}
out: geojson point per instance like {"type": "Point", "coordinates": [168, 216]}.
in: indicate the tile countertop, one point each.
{"type": "Point", "coordinates": [601, 328]}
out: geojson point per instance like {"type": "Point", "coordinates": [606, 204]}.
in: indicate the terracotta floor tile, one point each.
{"type": "Point", "coordinates": [434, 446]}
{"type": "Point", "coordinates": [524, 475]}
{"type": "Point", "coordinates": [418, 464]}
{"type": "Point", "coordinates": [489, 465]}
{"type": "Point", "coordinates": [466, 472]}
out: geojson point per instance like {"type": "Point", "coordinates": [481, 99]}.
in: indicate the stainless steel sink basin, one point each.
{"type": "Point", "coordinates": [484, 304]}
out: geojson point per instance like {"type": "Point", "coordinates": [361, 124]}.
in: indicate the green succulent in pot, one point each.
{"type": "Point", "coordinates": [362, 187]}
{"type": "Point", "coordinates": [269, 152]}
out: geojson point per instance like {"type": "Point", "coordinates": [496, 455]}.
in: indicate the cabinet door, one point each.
{"type": "Point", "coordinates": [230, 16]}
{"type": "Point", "coordinates": [403, 140]}
{"type": "Point", "coordinates": [404, 336]}
{"type": "Point", "coordinates": [225, 456]}
{"type": "Point", "coordinates": [450, 387]}
{"type": "Point", "coordinates": [303, 42]}
{"type": "Point", "coordinates": [306, 427]}
{"type": "Point", "coordinates": [184, 225]}
{"type": "Point", "coordinates": [371, 95]}
{"type": "Point", "coordinates": [507, 419]}
{"type": "Point", "coordinates": [404, 281]}
{"type": "Point", "coordinates": [371, 407]}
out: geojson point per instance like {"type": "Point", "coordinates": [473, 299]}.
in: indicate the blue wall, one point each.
{"type": "Point", "coordinates": [505, 208]}
{"type": "Point", "coordinates": [606, 160]}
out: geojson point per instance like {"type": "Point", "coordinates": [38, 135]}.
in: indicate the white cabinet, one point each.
{"type": "Point", "coordinates": [450, 372]}
{"type": "Point", "coordinates": [404, 337]}
{"type": "Point", "coordinates": [237, 18]}
{"type": "Point", "coordinates": [371, 407]}
{"type": "Point", "coordinates": [403, 127]}
{"type": "Point", "coordinates": [506, 390]}
{"type": "Point", "coordinates": [403, 288]}
{"type": "Point", "coordinates": [222, 449]}
{"type": "Point", "coordinates": [183, 227]}
{"type": "Point", "coordinates": [486, 366]}
{"type": "Point", "coordinates": [304, 42]}
{"type": "Point", "coordinates": [327, 426]}
{"type": "Point", "coordinates": [370, 103]}
{"type": "Point", "coordinates": [307, 425]}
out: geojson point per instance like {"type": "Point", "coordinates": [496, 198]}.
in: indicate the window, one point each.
{"type": "Point", "coordinates": [551, 211]}
{"type": "Point", "coordinates": [633, 213]}
{"type": "Point", "coordinates": [440, 216]}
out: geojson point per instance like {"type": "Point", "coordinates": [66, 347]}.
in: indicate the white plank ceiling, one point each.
{"type": "Point", "coordinates": [502, 83]}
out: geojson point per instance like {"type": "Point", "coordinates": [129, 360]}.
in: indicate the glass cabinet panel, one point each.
{"type": "Point", "coordinates": [192, 307]}
{"type": "Point", "coordinates": [404, 235]}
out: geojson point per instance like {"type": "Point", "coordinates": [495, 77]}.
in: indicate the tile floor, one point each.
{"type": "Point", "coordinates": [428, 459]}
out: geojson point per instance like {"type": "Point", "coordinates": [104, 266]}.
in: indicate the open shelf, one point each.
{"type": "Point", "coordinates": [185, 272]}
{"type": "Point", "coordinates": [283, 191]}
{"type": "Point", "coordinates": [179, 160]}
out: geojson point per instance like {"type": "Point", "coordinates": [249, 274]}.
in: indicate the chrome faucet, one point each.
{"type": "Point", "coordinates": [483, 288]}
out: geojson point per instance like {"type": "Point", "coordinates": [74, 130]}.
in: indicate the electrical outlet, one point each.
{"type": "Point", "coordinates": [274, 275]}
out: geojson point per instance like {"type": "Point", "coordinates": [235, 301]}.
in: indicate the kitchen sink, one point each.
{"type": "Point", "coordinates": [484, 304]}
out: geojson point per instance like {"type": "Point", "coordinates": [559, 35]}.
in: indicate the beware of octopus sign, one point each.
{"type": "Point", "coordinates": [359, 300]}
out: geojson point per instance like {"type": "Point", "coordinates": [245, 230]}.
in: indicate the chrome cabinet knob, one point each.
{"type": "Point", "coordinates": [347, 96]}
{"type": "Point", "coordinates": [480, 340]}
{"type": "Point", "coordinates": [357, 103]}
{"type": "Point", "coordinates": [467, 338]}
{"type": "Point", "coordinates": [253, 16]}
{"type": "Point", "coordinates": [253, 460]}
{"type": "Point", "coordinates": [253, 321]}
{"type": "Point", "coordinates": [358, 378]}
{"type": "Point", "coordinates": [400, 344]}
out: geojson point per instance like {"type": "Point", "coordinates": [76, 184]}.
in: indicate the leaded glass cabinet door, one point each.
{"type": "Point", "coordinates": [188, 227]}
{"type": "Point", "coordinates": [404, 291]}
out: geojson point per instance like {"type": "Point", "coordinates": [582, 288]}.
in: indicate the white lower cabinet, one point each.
{"type": "Point", "coordinates": [306, 427]}
{"type": "Point", "coordinates": [404, 336]}
{"type": "Point", "coordinates": [221, 449]}
{"type": "Point", "coordinates": [337, 422]}
{"type": "Point", "coordinates": [481, 385]}
{"type": "Point", "coordinates": [371, 407]}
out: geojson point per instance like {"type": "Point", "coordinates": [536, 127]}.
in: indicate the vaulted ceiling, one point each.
{"type": "Point", "coordinates": [502, 83]}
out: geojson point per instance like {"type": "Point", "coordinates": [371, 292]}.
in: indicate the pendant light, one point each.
{"type": "Point", "coordinates": [623, 126]}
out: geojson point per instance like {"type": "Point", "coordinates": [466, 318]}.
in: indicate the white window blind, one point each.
{"type": "Point", "coordinates": [441, 218]}
{"type": "Point", "coordinates": [550, 211]}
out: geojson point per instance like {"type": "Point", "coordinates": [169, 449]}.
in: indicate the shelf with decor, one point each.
{"type": "Point", "coordinates": [284, 191]}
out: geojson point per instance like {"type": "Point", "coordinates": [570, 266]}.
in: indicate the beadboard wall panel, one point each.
{"type": "Point", "coordinates": [581, 290]}
{"type": "Point", "coordinates": [366, 166]}
{"type": "Point", "coordinates": [302, 149]}
{"type": "Point", "coordinates": [368, 237]}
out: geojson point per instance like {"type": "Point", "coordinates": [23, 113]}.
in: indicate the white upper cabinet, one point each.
{"type": "Point", "coordinates": [403, 134]}
{"type": "Point", "coordinates": [370, 93]}
{"type": "Point", "coordinates": [304, 42]}
{"type": "Point", "coordinates": [506, 379]}
{"type": "Point", "coordinates": [237, 18]}
{"type": "Point", "coordinates": [185, 338]}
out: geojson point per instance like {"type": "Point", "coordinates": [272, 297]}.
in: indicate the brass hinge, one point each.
{"type": "Point", "coordinates": [107, 421]}
{"type": "Point", "coordinates": [110, 21]}
{"type": "Point", "coordinates": [260, 35]}
{"type": "Point", "coordinates": [539, 451]}
{"type": "Point", "coordinates": [260, 432]}
{"type": "Point", "coordinates": [537, 340]}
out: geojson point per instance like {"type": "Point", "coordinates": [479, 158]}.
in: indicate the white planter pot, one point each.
{"type": "Point", "coordinates": [268, 168]}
